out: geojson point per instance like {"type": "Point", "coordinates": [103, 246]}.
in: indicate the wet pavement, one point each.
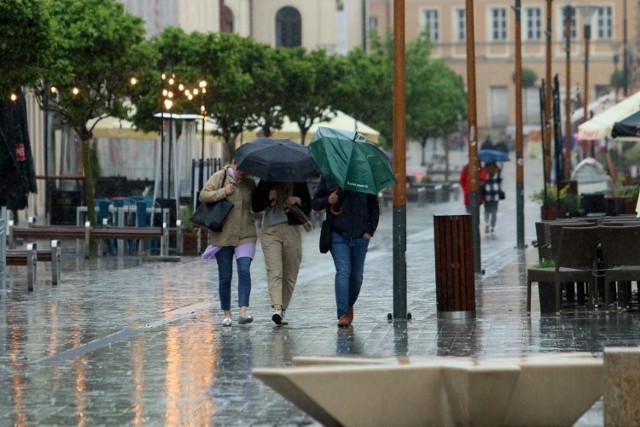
{"type": "Point", "coordinates": [122, 342]}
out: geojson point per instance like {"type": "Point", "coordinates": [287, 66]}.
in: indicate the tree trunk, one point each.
{"type": "Point", "coordinates": [89, 191]}
{"type": "Point", "coordinates": [423, 144]}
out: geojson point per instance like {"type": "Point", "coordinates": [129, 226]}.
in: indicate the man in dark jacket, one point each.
{"type": "Point", "coordinates": [354, 218]}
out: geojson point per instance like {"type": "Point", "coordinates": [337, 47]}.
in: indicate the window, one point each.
{"type": "Point", "coordinates": [604, 19]}
{"type": "Point", "coordinates": [499, 106]}
{"type": "Point", "coordinates": [431, 24]}
{"type": "Point", "coordinates": [227, 20]}
{"type": "Point", "coordinates": [288, 27]}
{"type": "Point", "coordinates": [461, 25]}
{"type": "Point", "coordinates": [499, 24]}
{"type": "Point", "coordinates": [533, 23]}
{"type": "Point", "coordinates": [373, 23]}
{"type": "Point", "coordinates": [574, 12]}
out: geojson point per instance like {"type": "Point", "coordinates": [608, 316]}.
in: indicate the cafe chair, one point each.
{"type": "Point", "coordinates": [554, 230]}
{"type": "Point", "coordinates": [621, 258]}
{"type": "Point", "coordinates": [542, 243]}
{"type": "Point", "coordinates": [574, 261]}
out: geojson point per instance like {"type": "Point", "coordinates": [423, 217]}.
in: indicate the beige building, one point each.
{"type": "Point", "coordinates": [340, 25]}
{"type": "Point", "coordinates": [494, 31]}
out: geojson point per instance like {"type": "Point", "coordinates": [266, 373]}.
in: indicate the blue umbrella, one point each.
{"type": "Point", "coordinates": [492, 156]}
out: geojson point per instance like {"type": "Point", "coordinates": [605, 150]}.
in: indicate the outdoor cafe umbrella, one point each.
{"type": "Point", "coordinates": [492, 156]}
{"type": "Point", "coordinates": [354, 162]}
{"type": "Point", "coordinates": [275, 160]}
{"type": "Point", "coordinates": [627, 127]}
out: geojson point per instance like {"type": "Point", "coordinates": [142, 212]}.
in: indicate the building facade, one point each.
{"type": "Point", "coordinates": [494, 31]}
{"type": "Point", "coordinates": [341, 25]}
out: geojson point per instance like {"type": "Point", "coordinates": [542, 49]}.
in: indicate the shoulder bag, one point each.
{"type": "Point", "coordinates": [212, 215]}
{"type": "Point", "coordinates": [325, 236]}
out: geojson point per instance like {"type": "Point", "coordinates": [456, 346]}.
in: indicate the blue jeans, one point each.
{"type": "Point", "coordinates": [224, 257]}
{"type": "Point", "coordinates": [348, 258]}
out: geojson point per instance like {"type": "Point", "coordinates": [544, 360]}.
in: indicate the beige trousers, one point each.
{"type": "Point", "coordinates": [282, 248]}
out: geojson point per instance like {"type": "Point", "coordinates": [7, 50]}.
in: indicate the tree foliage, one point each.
{"type": "Point", "coordinates": [97, 49]}
{"type": "Point", "coordinates": [25, 43]}
{"type": "Point", "coordinates": [309, 80]}
{"type": "Point", "coordinates": [529, 77]}
{"type": "Point", "coordinates": [436, 97]}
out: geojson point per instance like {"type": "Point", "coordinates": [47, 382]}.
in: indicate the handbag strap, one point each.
{"type": "Point", "coordinates": [224, 178]}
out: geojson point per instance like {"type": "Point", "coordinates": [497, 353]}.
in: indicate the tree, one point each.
{"type": "Point", "coordinates": [264, 64]}
{"type": "Point", "coordinates": [436, 97]}
{"type": "Point", "coordinates": [25, 44]}
{"type": "Point", "coordinates": [309, 79]}
{"type": "Point", "coordinates": [229, 98]}
{"type": "Point", "coordinates": [364, 89]}
{"type": "Point", "coordinates": [97, 49]}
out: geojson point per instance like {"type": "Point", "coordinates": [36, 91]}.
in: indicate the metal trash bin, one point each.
{"type": "Point", "coordinates": [455, 278]}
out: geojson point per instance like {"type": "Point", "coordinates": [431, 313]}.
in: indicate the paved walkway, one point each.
{"type": "Point", "coordinates": [120, 342]}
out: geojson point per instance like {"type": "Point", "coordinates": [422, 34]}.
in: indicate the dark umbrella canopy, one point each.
{"type": "Point", "coordinates": [276, 160]}
{"type": "Point", "coordinates": [628, 127]}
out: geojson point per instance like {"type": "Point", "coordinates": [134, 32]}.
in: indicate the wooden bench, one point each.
{"type": "Point", "coordinates": [72, 232]}
{"type": "Point", "coordinates": [46, 232]}
{"type": "Point", "coordinates": [30, 258]}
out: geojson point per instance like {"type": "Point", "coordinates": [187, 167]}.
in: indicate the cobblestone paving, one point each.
{"type": "Point", "coordinates": [121, 342]}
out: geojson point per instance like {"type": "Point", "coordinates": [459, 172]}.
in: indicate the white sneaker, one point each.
{"type": "Point", "coordinates": [284, 321]}
{"type": "Point", "coordinates": [226, 321]}
{"type": "Point", "coordinates": [246, 319]}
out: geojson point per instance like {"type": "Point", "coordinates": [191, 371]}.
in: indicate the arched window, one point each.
{"type": "Point", "coordinates": [288, 27]}
{"type": "Point", "coordinates": [227, 20]}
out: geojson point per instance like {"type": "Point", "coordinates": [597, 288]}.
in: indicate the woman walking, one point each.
{"type": "Point", "coordinates": [237, 237]}
{"type": "Point", "coordinates": [354, 218]}
{"type": "Point", "coordinates": [492, 194]}
{"type": "Point", "coordinates": [286, 206]}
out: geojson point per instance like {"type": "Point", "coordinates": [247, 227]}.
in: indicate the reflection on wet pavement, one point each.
{"type": "Point", "coordinates": [121, 342]}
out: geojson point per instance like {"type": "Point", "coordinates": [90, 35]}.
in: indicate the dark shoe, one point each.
{"type": "Point", "coordinates": [277, 317]}
{"type": "Point", "coordinates": [350, 314]}
{"type": "Point", "coordinates": [343, 322]}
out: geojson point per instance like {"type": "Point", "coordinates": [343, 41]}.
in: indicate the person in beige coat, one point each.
{"type": "Point", "coordinates": [237, 238]}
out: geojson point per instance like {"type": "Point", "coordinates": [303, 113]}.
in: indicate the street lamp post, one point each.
{"type": "Point", "coordinates": [587, 13]}
{"type": "Point", "coordinates": [568, 14]}
{"type": "Point", "coordinates": [625, 58]}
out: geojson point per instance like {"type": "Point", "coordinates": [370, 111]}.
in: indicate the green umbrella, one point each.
{"type": "Point", "coordinates": [353, 161]}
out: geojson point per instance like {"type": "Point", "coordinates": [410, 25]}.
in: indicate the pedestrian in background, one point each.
{"type": "Point", "coordinates": [286, 207]}
{"type": "Point", "coordinates": [487, 144]}
{"type": "Point", "coordinates": [464, 183]}
{"type": "Point", "coordinates": [492, 194]}
{"type": "Point", "coordinates": [237, 238]}
{"type": "Point", "coordinates": [354, 218]}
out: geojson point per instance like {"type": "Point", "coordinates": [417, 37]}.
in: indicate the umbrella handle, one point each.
{"type": "Point", "coordinates": [333, 211]}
